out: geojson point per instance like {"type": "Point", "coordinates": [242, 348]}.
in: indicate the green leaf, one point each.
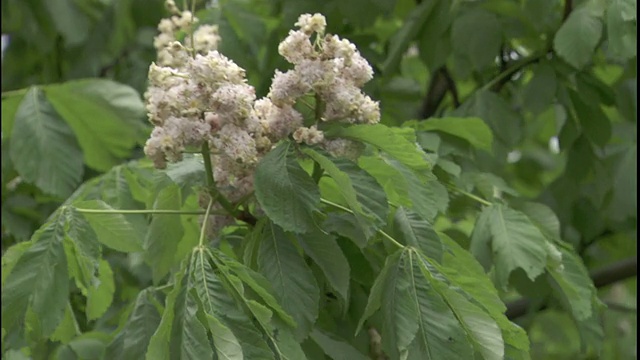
{"type": "Point", "coordinates": [622, 28]}
{"type": "Point", "coordinates": [326, 253]}
{"type": "Point", "coordinates": [39, 280]}
{"type": "Point", "coordinates": [378, 289]}
{"type": "Point", "coordinates": [69, 21]}
{"type": "Point", "coordinates": [595, 123]}
{"type": "Point", "coordinates": [105, 116]}
{"type": "Point", "coordinates": [540, 91]}
{"type": "Point", "coordinates": [335, 348]}
{"type": "Point", "coordinates": [578, 37]}
{"type": "Point", "coordinates": [100, 295]}
{"type": "Point", "coordinates": [286, 193]}
{"type": "Point", "coordinates": [505, 123]}
{"type": "Point", "coordinates": [384, 139]}
{"type": "Point", "coordinates": [68, 328]}
{"type": "Point", "coordinates": [417, 318]}
{"type": "Point", "coordinates": [140, 326]}
{"type": "Point", "coordinates": [480, 327]}
{"type": "Point", "coordinates": [42, 147]}
{"type": "Point", "coordinates": [573, 285]}
{"type": "Point", "coordinates": [225, 342]}
{"type": "Point", "coordinates": [293, 281]}
{"type": "Point", "coordinates": [543, 217]}
{"type": "Point", "coordinates": [254, 280]}
{"type": "Point", "coordinates": [82, 250]}
{"type": "Point", "coordinates": [472, 129]}
{"type": "Point", "coordinates": [11, 257]}
{"type": "Point", "coordinates": [477, 35]}
{"type": "Point", "coordinates": [10, 105]}
{"type": "Point", "coordinates": [112, 229]}
{"type": "Point", "coordinates": [428, 195]}
{"type": "Point", "coordinates": [386, 175]}
{"type": "Point", "coordinates": [361, 192]}
{"type": "Point", "coordinates": [165, 231]}
{"type": "Point", "coordinates": [624, 200]}
{"type": "Point", "coordinates": [515, 243]}
{"type": "Point", "coordinates": [410, 28]}
{"type": "Point", "coordinates": [417, 232]}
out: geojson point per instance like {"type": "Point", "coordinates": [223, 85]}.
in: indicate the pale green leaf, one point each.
{"type": "Point", "coordinates": [293, 282]}
{"type": "Point", "coordinates": [11, 257]}
{"type": "Point", "coordinates": [286, 193]}
{"type": "Point", "coordinates": [100, 294]}
{"type": "Point", "coordinates": [472, 129]}
{"type": "Point", "coordinates": [384, 139]}
{"type": "Point", "coordinates": [68, 328]}
{"type": "Point", "coordinates": [224, 341]}
{"type": "Point", "coordinates": [578, 37]}
{"type": "Point", "coordinates": [391, 180]}
{"type": "Point", "coordinates": [572, 284]}
{"type": "Point", "coordinates": [622, 28]}
{"type": "Point", "coordinates": [42, 147]}
{"type": "Point", "coordinates": [104, 115]}
{"type": "Point", "coordinates": [112, 229]}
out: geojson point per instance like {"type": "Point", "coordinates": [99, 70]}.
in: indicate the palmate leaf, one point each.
{"type": "Point", "coordinates": [42, 147]}
{"type": "Point", "coordinates": [361, 192]}
{"type": "Point", "coordinates": [426, 316]}
{"type": "Point", "coordinates": [286, 193]}
{"type": "Point", "coordinates": [509, 238]}
{"type": "Point", "coordinates": [105, 116]}
{"type": "Point", "coordinates": [39, 280]}
{"type": "Point", "coordinates": [294, 284]}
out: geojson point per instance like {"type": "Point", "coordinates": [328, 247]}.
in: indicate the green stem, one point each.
{"type": "Point", "coordinates": [127, 212]}
{"type": "Point", "coordinates": [203, 230]}
{"type": "Point", "coordinates": [512, 70]}
{"type": "Point", "coordinates": [381, 232]}
{"type": "Point", "coordinates": [469, 195]}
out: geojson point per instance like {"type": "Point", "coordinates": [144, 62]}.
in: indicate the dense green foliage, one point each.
{"type": "Point", "coordinates": [504, 167]}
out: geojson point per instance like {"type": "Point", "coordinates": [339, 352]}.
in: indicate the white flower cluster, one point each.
{"type": "Point", "coordinates": [333, 69]}
{"type": "Point", "coordinates": [205, 38]}
{"type": "Point", "coordinates": [198, 97]}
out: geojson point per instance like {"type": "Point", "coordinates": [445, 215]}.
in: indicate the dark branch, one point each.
{"type": "Point", "coordinates": [602, 277]}
{"type": "Point", "coordinates": [441, 82]}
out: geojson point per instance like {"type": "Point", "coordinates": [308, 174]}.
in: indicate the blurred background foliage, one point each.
{"type": "Point", "coordinates": [555, 80]}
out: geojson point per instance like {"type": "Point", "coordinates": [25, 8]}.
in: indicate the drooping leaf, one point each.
{"type": "Point", "coordinates": [42, 147]}
{"type": "Point", "coordinates": [140, 326]}
{"type": "Point", "coordinates": [417, 232]}
{"type": "Point", "coordinates": [326, 253]}
{"type": "Point", "coordinates": [100, 295]}
{"type": "Point", "coordinates": [68, 328]}
{"type": "Point", "coordinates": [112, 229]}
{"type": "Point", "coordinates": [384, 139]}
{"type": "Point", "coordinates": [622, 28]}
{"type": "Point", "coordinates": [39, 281]}
{"type": "Point", "coordinates": [573, 285]}
{"type": "Point", "coordinates": [578, 37]}
{"type": "Point", "coordinates": [293, 282]}
{"type": "Point", "coordinates": [515, 242]}
{"type": "Point", "coordinates": [286, 193]}
{"type": "Point", "coordinates": [104, 115]}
